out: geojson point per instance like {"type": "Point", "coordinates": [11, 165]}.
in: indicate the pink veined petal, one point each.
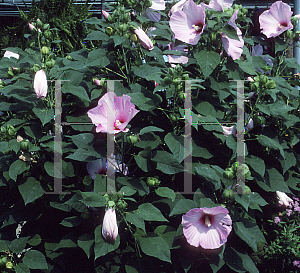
{"type": "Point", "coordinates": [281, 11]}
{"type": "Point", "coordinates": [152, 15]}
{"type": "Point", "coordinates": [232, 47]}
{"type": "Point", "coordinates": [215, 5]}
{"type": "Point", "coordinates": [192, 216]}
{"type": "Point", "coordinates": [215, 210]}
{"type": "Point", "coordinates": [158, 5]}
{"type": "Point", "coordinates": [40, 84]}
{"type": "Point", "coordinates": [195, 14]}
{"type": "Point", "coordinates": [176, 7]}
{"type": "Point", "coordinates": [223, 224]}
{"type": "Point", "coordinates": [233, 24]}
{"type": "Point", "coordinates": [227, 3]}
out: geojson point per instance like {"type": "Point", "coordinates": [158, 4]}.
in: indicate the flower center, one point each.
{"type": "Point", "coordinates": [282, 25]}
{"type": "Point", "coordinates": [207, 220]}
{"type": "Point", "coordinates": [117, 124]}
{"type": "Point", "coordinates": [198, 27]}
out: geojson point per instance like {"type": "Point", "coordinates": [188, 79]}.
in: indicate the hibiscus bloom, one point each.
{"type": "Point", "coordinates": [99, 166]}
{"type": "Point", "coordinates": [176, 7]}
{"type": "Point", "coordinates": [234, 48]}
{"type": "Point", "coordinates": [207, 227]}
{"type": "Point", "coordinates": [144, 39]}
{"type": "Point", "coordinates": [116, 110]}
{"type": "Point", "coordinates": [177, 59]}
{"type": "Point", "coordinates": [276, 20]}
{"type": "Point", "coordinates": [283, 199]}
{"type": "Point", "coordinates": [40, 84]}
{"type": "Point", "coordinates": [219, 5]}
{"type": "Point", "coordinates": [156, 5]}
{"type": "Point", "coordinates": [188, 24]}
{"type": "Point", "coordinates": [110, 226]}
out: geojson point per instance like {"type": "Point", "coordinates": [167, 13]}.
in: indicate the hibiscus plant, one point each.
{"type": "Point", "coordinates": [169, 142]}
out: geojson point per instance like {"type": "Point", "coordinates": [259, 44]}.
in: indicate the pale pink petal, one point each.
{"type": "Point", "coordinates": [144, 39]}
{"type": "Point", "coordinates": [158, 5]}
{"type": "Point", "coordinates": [105, 14]}
{"type": "Point", "coordinates": [175, 58]}
{"type": "Point", "coordinates": [176, 7]}
{"type": "Point", "coordinates": [40, 84]}
{"type": "Point", "coordinates": [192, 216]}
{"type": "Point", "coordinates": [223, 224]}
{"type": "Point", "coordinates": [110, 226]}
{"type": "Point", "coordinates": [215, 210]}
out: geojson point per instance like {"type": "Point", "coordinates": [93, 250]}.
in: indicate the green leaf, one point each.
{"type": "Point", "coordinates": [93, 199]}
{"type": "Point", "coordinates": [289, 161]}
{"type": "Point", "coordinates": [136, 219]}
{"type": "Point", "coordinates": [176, 145]}
{"type": "Point", "coordinates": [243, 199]}
{"type": "Point", "coordinates": [35, 240]}
{"type": "Point", "coordinates": [246, 66]}
{"type": "Point", "coordinates": [230, 32]}
{"type": "Point", "coordinates": [166, 192]}
{"type": "Point", "coordinates": [207, 60]}
{"type": "Point", "coordinates": [271, 143]}
{"type": "Point", "coordinates": [68, 241]}
{"type": "Point", "coordinates": [17, 168]}
{"type": "Point", "coordinates": [77, 91]}
{"type": "Point", "coordinates": [103, 247]}
{"type": "Point", "coordinates": [21, 268]}
{"type": "Point", "coordinates": [45, 115]}
{"type": "Point", "coordinates": [143, 159]}
{"type": "Point", "coordinates": [118, 40]}
{"type": "Point", "coordinates": [72, 221]}
{"type": "Point", "coordinates": [210, 124]}
{"type": "Point", "coordinates": [166, 162]}
{"type": "Point", "coordinates": [4, 146]}
{"type": "Point", "coordinates": [150, 213]}
{"type": "Point", "coordinates": [98, 58]}
{"type": "Point", "coordinates": [35, 260]}
{"type": "Point", "coordinates": [256, 163]}
{"type": "Point", "coordinates": [150, 129]}
{"type": "Point", "coordinates": [209, 174]}
{"type": "Point", "coordinates": [183, 206]}
{"type": "Point", "coordinates": [31, 190]}
{"type": "Point", "coordinates": [156, 247]}
{"type": "Point", "coordinates": [148, 72]}
{"type": "Point", "coordinates": [96, 36]}
{"type": "Point", "coordinates": [85, 241]}
{"type": "Point", "coordinates": [18, 245]}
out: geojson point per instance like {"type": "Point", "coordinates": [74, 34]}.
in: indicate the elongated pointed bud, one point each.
{"type": "Point", "coordinates": [109, 226]}
{"type": "Point", "coordinates": [40, 84]}
{"type": "Point", "coordinates": [144, 39]}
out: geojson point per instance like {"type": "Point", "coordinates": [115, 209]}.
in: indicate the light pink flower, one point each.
{"type": "Point", "coordinates": [9, 54]}
{"type": "Point", "coordinates": [176, 7]}
{"type": "Point", "coordinates": [277, 220]}
{"type": "Point", "coordinates": [155, 83]}
{"type": "Point", "coordinates": [144, 39]}
{"type": "Point", "coordinates": [105, 14]}
{"type": "Point", "coordinates": [40, 84]}
{"type": "Point", "coordinates": [110, 226]}
{"type": "Point", "coordinates": [289, 212]}
{"type": "Point", "coordinates": [97, 81]}
{"type": "Point", "coordinates": [99, 166]}
{"type": "Point", "coordinates": [31, 26]}
{"type": "Point", "coordinates": [117, 110]}
{"type": "Point", "coordinates": [156, 5]}
{"type": "Point", "coordinates": [229, 130]}
{"type": "Point", "coordinates": [250, 125]}
{"type": "Point", "coordinates": [177, 59]}
{"type": "Point", "coordinates": [276, 20]}
{"type": "Point", "coordinates": [207, 227]}
{"type": "Point", "coordinates": [219, 5]}
{"type": "Point", "coordinates": [188, 24]}
{"type": "Point", "coordinates": [283, 199]}
{"type": "Point", "coordinates": [296, 263]}
{"type": "Point", "coordinates": [234, 48]}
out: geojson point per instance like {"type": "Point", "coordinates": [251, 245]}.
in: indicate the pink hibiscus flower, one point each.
{"type": "Point", "coordinates": [219, 5]}
{"type": "Point", "coordinates": [188, 24]}
{"type": "Point", "coordinates": [177, 59]}
{"type": "Point", "coordinates": [40, 84]}
{"type": "Point", "coordinates": [234, 48]}
{"type": "Point", "coordinates": [176, 7]}
{"type": "Point", "coordinates": [156, 5]}
{"type": "Point", "coordinates": [207, 227]}
{"type": "Point", "coordinates": [276, 20]}
{"type": "Point", "coordinates": [99, 166]}
{"type": "Point", "coordinates": [119, 111]}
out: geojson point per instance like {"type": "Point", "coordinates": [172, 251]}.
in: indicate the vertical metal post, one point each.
{"type": "Point", "coordinates": [297, 44]}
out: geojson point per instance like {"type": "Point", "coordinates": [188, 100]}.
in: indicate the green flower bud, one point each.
{"type": "Point", "coordinates": [247, 190]}
{"type": "Point", "coordinates": [9, 265]}
{"type": "Point", "coordinates": [39, 23]}
{"type": "Point", "coordinates": [263, 79]}
{"type": "Point", "coordinates": [171, 71]}
{"type": "Point", "coordinates": [45, 50]}
{"type": "Point", "coordinates": [122, 204]}
{"type": "Point", "coordinates": [185, 76]}
{"type": "Point", "coordinates": [228, 193]}
{"type": "Point", "coordinates": [24, 145]}
{"type": "Point", "coordinates": [148, 3]}
{"type": "Point", "coordinates": [109, 31]}
{"type": "Point", "coordinates": [271, 84]}
{"type": "Point", "coordinates": [3, 130]}
{"type": "Point", "coordinates": [126, 18]}
{"type": "Point", "coordinates": [68, 57]}
{"type": "Point", "coordinates": [259, 120]}
{"type": "Point", "coordinates": [50, 63]}
{"type": "Point", "coordinates": [4, 260]}
{"type": "Point", "coordinates": [213, 36]}
{"type": "Point", "coordinates": [11, 130]}
{"type": "Point", "coordinates": [133, 38]}
{"type": "Point", "coordinates": [47, 34]}
{"type": "Point", "coordinates": [177, 81]}
{"type": "Point", "coordinates": [46, 27]}
{"type": "Point", "coordinates": [178, 69]}
{"type": "Point", "coordinates": [111, 18]}
{"type": "Point", "coordinates": [181, 96]}
{"type": "Point", "coordinates": [123, 27]}
{"type": "Point", "coordinates": [174, 117]}
{"type": "Point", "coordinates": [244, 10]}
{"type": "Point", "coordinates": [10, 73]}
{"type": "Point", "coordinates": [132, 139]}
{"type": "Point", "coordinates": [228, 173]}
{"type": "Point", "coordinates": [151, 181]}
{"type": "Point", "coordinates": [254, 86]}
{"type": "Point", "coordinates": [111, 203]}
{"type": "Point", "coordinates": [167, 80]}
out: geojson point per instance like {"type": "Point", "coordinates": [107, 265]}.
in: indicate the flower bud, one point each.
{"type": "Point", "coordinates": [247, 190]}
{"type": "Point", "coordinates": [68, 57]}
{"type": "Point", "coordinates": [46, 27]}
{"type": "Point", "coordinates": [39, 23]}
{"type": "Point", "coordinates": [9, 265]}
{"type": "Point", "coordinates": [150, 181]}
{"type": "Point", "coordinates": [263, 79]}
{"type": "Point", "coordinates": [271, 84]}
{"type": "Point", "coordinates": [45, 50]}
{"type": "Point", "coordinates": [167, 80]}
{"type": "Point", "coordinates": [111, 18]}
{"type": "Point", "coordinates": [122, 204]}
{"type": "Point", "coordinates": [50, 63]}
{"type": "Point", "coordinates": [123, 27]}
{"type": "Point", "coordinates": [174, 117]}
{"type": "Point", "coordinates": [109, 31]}
{"type": "Point", "coordinates": [144, 39]}
{"type": "Point", "coordinates": [31, 26]}
{"type": "Point", "coordinates": [132, 139]}
{"type": "Point", "coordinates": [244, 10]}
{"type": "Point", "coordinates": [181, 96]}
{"type": "Point", "coordinates": [109, 226]}
{"type": "Point", "coordinates": [228, 173]}
{"type": "Point", "coordinates": [133, 38]}
{"type": "Point", "coordinates": [10, 130]}
{"type": "Point", "coordinates": [24, 145]}
{"type": "Point", "coordinates": [40, 84]}
{"type": "Point", "coordinates": [228, 193]}
{"type": "Point", "coordinates": [148, 3]}
{"type": "Point", "coordinates": [105, 14]}
{"type": "Point", "coordinates": [47, 34]}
